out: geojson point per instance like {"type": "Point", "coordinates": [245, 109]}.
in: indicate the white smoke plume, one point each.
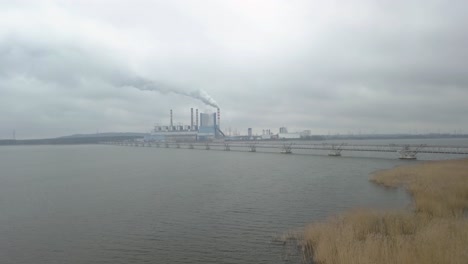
{"type": "Point", "coordinates": [147, 85]}
{"type": "Point", "coordinates": [72, 65]}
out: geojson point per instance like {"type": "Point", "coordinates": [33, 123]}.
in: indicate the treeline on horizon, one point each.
{"type": "Point", "coordinates": [98, 138]}
{"type": "Point", "coordinates": [396, 136]}
{"type": "Point", "coordinates": [66, 140]}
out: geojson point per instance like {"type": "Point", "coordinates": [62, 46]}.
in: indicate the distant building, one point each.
{"type": "Point", "coordinates": [206, 120]}
{"type": "Point", "coordinates": [266, 134]}
{"type": "Point", "coordinates": [289, 136]}
{"type": "Point", "coordinates": [249, 132]}
{"type": "Point", "coordinates": [306, 133]}
{"type": "Point", "coordinates": [208, 128]}
{"type": "Point", "coordinates": [283, 130]}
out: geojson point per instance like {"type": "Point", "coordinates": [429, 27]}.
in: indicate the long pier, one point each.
{"type": "Point", "coordinates": [408, 151]}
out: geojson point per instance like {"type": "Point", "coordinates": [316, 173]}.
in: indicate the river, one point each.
{"type": "Point", "coordinates": [114, 204]}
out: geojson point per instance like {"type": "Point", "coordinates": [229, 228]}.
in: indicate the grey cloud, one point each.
{"type": "Point", "coordinates": [386, 65]}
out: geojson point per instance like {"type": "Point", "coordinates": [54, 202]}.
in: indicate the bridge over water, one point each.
{"type": "Point", "coordinates": [405, 151]}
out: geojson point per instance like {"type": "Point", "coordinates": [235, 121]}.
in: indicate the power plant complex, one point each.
{"type": "Point", "coordinates": [205, 127]}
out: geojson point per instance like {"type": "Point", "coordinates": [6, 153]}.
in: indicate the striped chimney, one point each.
{"type": "Point", "coordinates": [171, 118]}
{"type": "Point", "coordinates": [191, 118]}
{"type": "Point", "coordinates": [219, 118]}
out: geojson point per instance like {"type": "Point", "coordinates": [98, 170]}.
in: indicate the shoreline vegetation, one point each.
{"type": "Point", "coordinates": [434, 230]}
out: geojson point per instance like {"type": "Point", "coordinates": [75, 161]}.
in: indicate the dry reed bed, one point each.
{"type": "Point", "coordinates": [435, 232]}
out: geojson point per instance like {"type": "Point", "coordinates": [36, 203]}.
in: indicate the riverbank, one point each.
{"type": "Point", "coordinates": [434, 230]}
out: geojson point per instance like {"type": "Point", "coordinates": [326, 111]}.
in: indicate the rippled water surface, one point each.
{"type": "Point", "coordinates": [110, 204]}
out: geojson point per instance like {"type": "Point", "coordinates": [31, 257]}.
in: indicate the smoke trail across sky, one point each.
{"type": "Point", "coordinates": [77, 66]}
{"type": "Point", "coordinates": [148, 85]}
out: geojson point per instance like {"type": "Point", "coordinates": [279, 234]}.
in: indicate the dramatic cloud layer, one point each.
{"type": "Point", "coordinates": [361, 66]}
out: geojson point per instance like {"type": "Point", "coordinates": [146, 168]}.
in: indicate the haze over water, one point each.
{"type": "Point", "coordinates": [109, 204]}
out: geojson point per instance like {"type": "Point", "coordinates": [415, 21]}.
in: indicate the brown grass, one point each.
{"type": "Point", "coordinates": [438, 188]}
{"type": "Point", "coordinates": [436, 232]}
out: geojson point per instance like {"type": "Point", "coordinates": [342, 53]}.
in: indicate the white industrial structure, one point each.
{"type": "Point", "coordinates": [289, 135]}
{"type": "Point", "coordinates": [208, 129]}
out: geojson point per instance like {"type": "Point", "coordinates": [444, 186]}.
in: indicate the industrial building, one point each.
{"type": "Point", "coordinates": [207, 129]}
{"type": "Point", "coordinates": [283, 134]}
{"type": "Point", "coordinates": [289, 135]}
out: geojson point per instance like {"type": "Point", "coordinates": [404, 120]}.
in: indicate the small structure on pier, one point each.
{"type": "Point", "coordinates": [336, 150]}
{"type": "Point", "coordinates": [409, 154]}
{"type": "Point", "coordinates": [286, 149]}
{"type": "Point", "coordinates": [252, 147]}
{"type": "Point", "coordinates": [227, 147]}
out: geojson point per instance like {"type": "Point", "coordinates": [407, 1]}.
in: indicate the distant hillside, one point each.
{"type": "Point", "coordinates": [108, 134]}
{"type": "Point", "coordinates": [75, 139]}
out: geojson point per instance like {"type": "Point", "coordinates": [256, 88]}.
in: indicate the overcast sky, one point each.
{"type": "Point", "coordinates": [71, 67]}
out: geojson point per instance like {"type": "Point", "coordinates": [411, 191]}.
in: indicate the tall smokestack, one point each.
{"type": "Point", "coordinates": [219, 127]}
{"type": "Point", "coordinates": [191, 118]}
{"type": "Point", "coordinates": [171, 118]}
{"type": "Point", "coordinates": [196, 118]}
